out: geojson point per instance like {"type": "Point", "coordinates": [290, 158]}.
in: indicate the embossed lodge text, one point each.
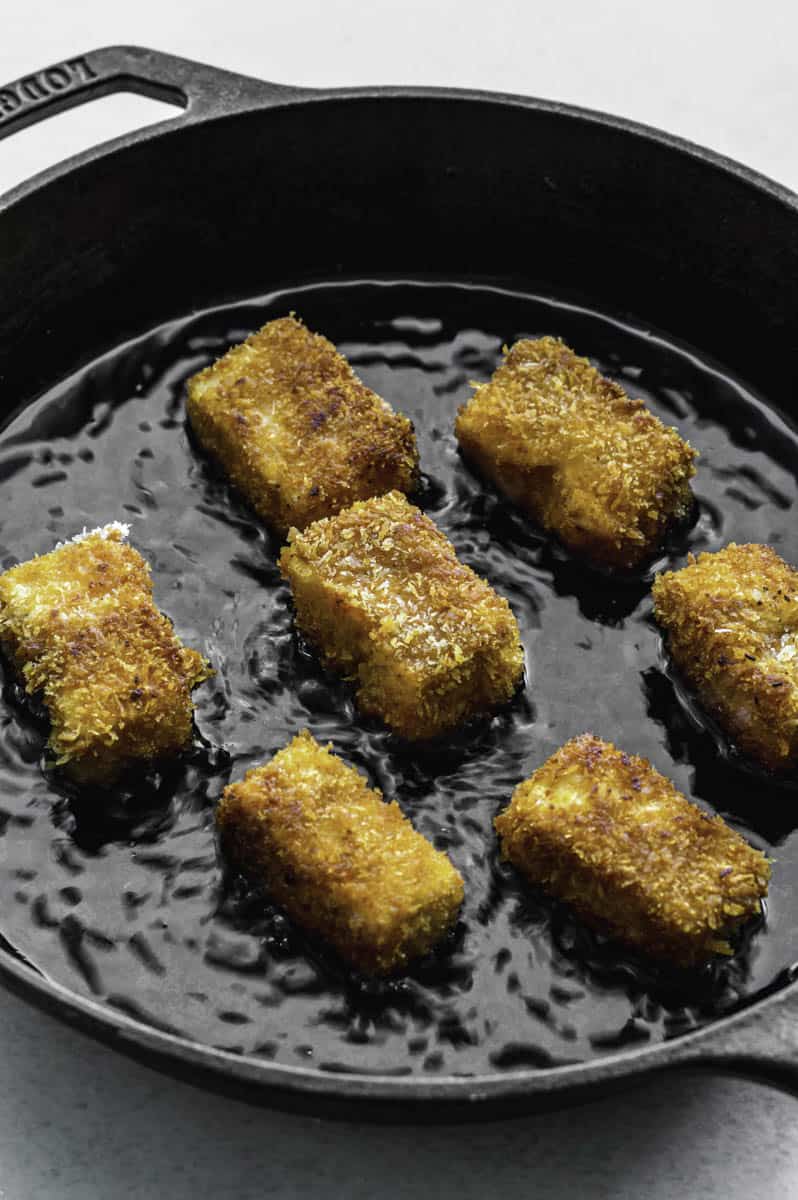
{"type": "Point", "coordinates": [33, 89]}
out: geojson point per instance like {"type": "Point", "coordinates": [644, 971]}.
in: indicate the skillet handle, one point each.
{"type": "Point", "coordinates": [198, 89]}
{"type": "Point", "coordinates": [759, 1043]}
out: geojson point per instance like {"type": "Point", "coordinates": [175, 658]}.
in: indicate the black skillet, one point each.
{"type": "Point", "coordinates": [257, 188]}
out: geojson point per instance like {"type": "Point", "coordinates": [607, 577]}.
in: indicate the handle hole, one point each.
{"type": "Point", "coordinates": [63, 134]}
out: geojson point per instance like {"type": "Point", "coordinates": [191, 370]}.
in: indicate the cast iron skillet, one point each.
{"type": "Point", "coordinates": [387, 182]}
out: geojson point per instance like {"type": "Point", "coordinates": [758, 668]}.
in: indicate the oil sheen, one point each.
{"type": "Point", "coordinates": [125, 896]}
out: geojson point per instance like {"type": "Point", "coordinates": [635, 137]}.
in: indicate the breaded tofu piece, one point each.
{"type": "Point", "coordinates": [571, 448]}
{"type": "Point", "coordinates": [731, 620]}
{"type": "Point", "coordinates": [295, 429]}
{"type": "Point", "coordinates": [80, 626]}
{"type": "Point", "coordinates": [604, 831]}
{"type": "Point", "coordinates": [342, 863]}
{"type": "Point", "coordinates": [380, 592]}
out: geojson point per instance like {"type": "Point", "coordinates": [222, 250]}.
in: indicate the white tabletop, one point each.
{"type": "Point", "coordinates": [78, 1120]}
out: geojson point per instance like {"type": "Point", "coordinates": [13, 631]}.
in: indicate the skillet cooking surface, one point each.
{"type": "Point", "coordinates": [124, 897]}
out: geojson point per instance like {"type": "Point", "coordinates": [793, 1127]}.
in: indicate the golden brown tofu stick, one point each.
{"type": "Point", "coordinates": [607, 833]}
{"type": "Point", "coordinates": [570, 447]}
{"type": "Point", "coordinates": [294, 428]}
{"type": "Point", "coordinates": [80, 626]}
{"type": "Point", "coordinates": [731, 620]}
{"type": "Point", "coordinates": [380, 591]}
{"type": "Point", "coordinates": [344, 864]}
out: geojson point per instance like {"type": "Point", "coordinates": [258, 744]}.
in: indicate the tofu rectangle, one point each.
{"type": "Point", "coordinates": [296, 431]}
{"type": "Point", "coordinates": [80, 626]}
{"type": "Point", "coordinates": [345, 865]}
{"type": "Point", "coordinates": [605, 832]}
{"type": "Point", "coordinates": [569, 446]}
{"type": "Point", "coordinates": [379, 590]}
{"type": "Point", "coordinates": [731, 622]}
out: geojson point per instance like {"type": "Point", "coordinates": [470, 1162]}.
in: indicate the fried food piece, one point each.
{"type": "Point", "coordinates": [294, 428]}
{"type": "Point", "coordinates": [380, 591]}
{"type": "Point", "coordinates": [570, 447]}
{"type": "Point", "coordinates": [80, 626]}
{"type": "Point", "coordinates": [731, 620]}
{"type": "Point", "coordinates": [607, 833]}
{"type": "Point", "coordinates": [343, 864]}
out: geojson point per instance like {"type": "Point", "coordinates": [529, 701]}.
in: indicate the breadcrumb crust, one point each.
{"type": "Point", "coordinates": [731, 620]}
{"type": "Point", "coordinates": [295, 429]}
{"type": "Point", "coordinates": [604, 831]}
{"type": "Point", "coordinates": [380, 591]}
{"type": "Point", "coordinates": [344, 864]}
{"type": "Point", "coordinates": [584, 459]}
{"type": "Point", "coordinates": [80, 626]}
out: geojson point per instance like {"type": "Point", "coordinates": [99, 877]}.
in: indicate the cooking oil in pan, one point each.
{"type": "Point", "coordinates": [125, 897]}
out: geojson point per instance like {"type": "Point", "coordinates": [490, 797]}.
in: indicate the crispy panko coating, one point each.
{"type": "Point", "coordinates": [343, 864]}
{"type": "Point", "coordinates": [731, 620]}
{"type": "Point", "coordinates": [380, 591]}
{"type": "Point", "coordinates": [604, 831]}
{"type": "Point", "coordinates": [80, 626]}
{"type": "Point", "coordinates": [570, 447]}
{"type": "Point", "coordinates": [295, 429]}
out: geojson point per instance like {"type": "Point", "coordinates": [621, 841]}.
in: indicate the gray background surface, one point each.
{"type": "Point", "coordinates": [78, 1122]}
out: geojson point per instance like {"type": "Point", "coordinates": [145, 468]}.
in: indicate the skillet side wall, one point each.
{"type": "Point", "coordinates": [444, 186]}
